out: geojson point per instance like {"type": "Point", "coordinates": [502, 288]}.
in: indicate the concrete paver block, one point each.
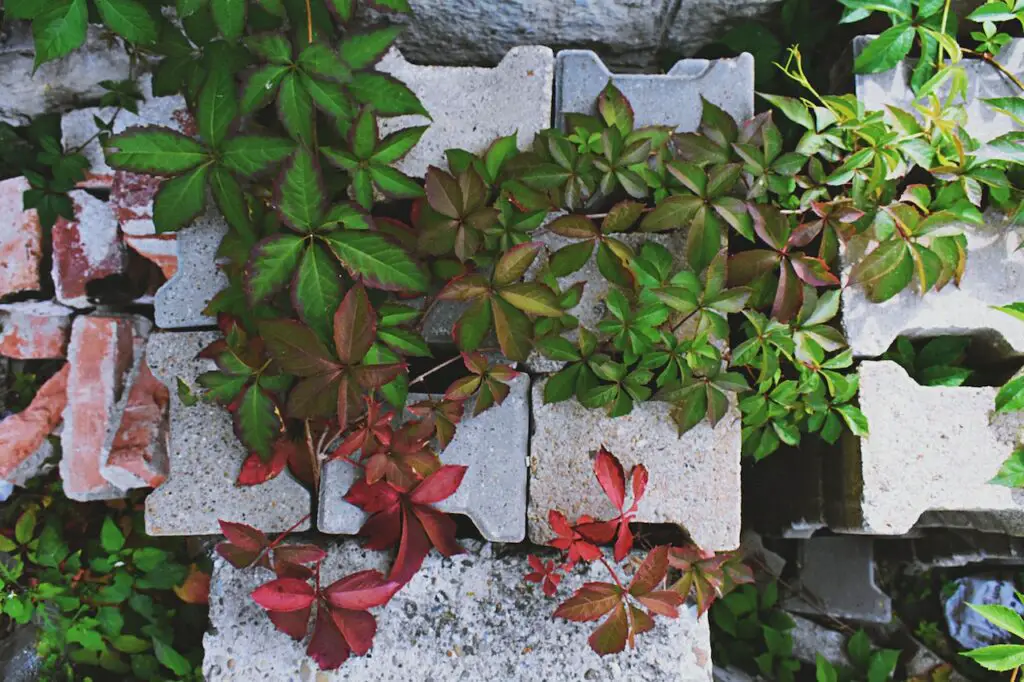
{"type": "Point", "coordinates": [837, 576]}
{"type": "Point", "coordinates": [493, 494]}
{"type": "Point", "coordinates": [930, 448]}
{"type": "Point", "coordinates": [206, 456]}
{"type": "Point", "coordinates": [470, 617]}
{"type": "Point", "coordinates": [470, 107]}
{"type": "Point", "coordinates": [34, 330]}
{"type": "Point", "coordinates": [669, 99]}
{"type": "Point", "coordinates": [180, 302]}
{"type": "Point", "coordinates": [694, 480]}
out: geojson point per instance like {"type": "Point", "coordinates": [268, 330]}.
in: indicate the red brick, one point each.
{"type": "Point", "coordinates": [22, 434]}
{"type": "Point", "coordinates": [100, 354]}
{"type": "Point", "coordinates": [138, 453]}
{"type": "Point", "coordinates": [161, 249]}
{"type": "Point", "coordinates": [131, 197]}
{"type": "Point", "coordinates": [21, 240]}
{"type": "Point", "coordinates": [86, 249]}
{"type": "Point", "coordinates": [34, 330]}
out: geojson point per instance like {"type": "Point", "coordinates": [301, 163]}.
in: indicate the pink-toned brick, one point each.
{"type": "Point", "coordinates": [22, 434]}
{"type": "Point", "coordinates": [34, 330]}
{"type": "Point", "coordinates": [137, 456]}
{"type": "Point", "coordinates": [21, 240]}
{"type": "Point", "coordinates": [161, 249]}
{"type": "Point", "coordinates": [86, 249]}
{"type": "Point", "coordinates": [101, 353]}
{"type": "Point", "coordinates": [131, 196]}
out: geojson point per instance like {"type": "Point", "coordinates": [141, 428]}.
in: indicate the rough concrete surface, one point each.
{"type": "Point", "coordinates": [180, 302]}
{"type": "Point", "coordinates": [470, 618]}
{"type": "Point", "coordinates": [837, 577]}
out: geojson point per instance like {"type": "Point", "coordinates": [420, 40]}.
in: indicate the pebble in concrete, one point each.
{"type": "Point", "coordinates": [493, 494]}
{"type": "Point", "coordinates": [994, 276]}
{"type": "Point", "coordinates": [837, 577]}
{"type": "Point", "coordinates": [670, 99]}
{"type": "Point", "coordinates": [34, 330]}
{"type": "Point", "coordinates": [85, 250]}
{"type": "Point", "coordinates": [470, 107]}
{"type": "Point", "coordinates": [205, 457]}
{"type": "Point", "coordinates": [180, 302]}
{"type": "Point", "coordinates": [694, 480]}
{"type": "Point", "coordinates": [470, 617]}
{"type": "Point", "coordinates": [876, 90]}
{"type": "Point", "coordinates": [930, 448]}
{"type": "Point", "coordinates": [21, 240]}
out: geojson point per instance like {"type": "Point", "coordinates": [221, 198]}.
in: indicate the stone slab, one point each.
{"type": "Point", "coordinates": [21, 240]}
{"type": "Point", "coordinates": [58, 85]}
{"type": "Point", "coordinates": [34, 330]}
{"type": "Point", "coordinates": [837, 577]}
{"type": "Point", "coordinates": [694, 480]}
{"type": "Point", "coordinates": [811, 639]}
{"type": "Point", "coordinates": [180, 302]}
{"type": "Point", "coordinates": [471, 617]}
{"type": "Point", "coordinates": [669, 99]}
{"type": "Point", "coordinates": [699, 22]}
{"type": "Point", "coordinates": [205, 457]}
{"type": "Point", "coordinates": [929, 448]}
{"type": "Point", "coordinates": [984, 81]}
{"type": "Point", "coordinates": [470, 107]}
{"type": "Point", "coordinates": [85, 250]}
{"type": "Point", "coordinates": [493, 494]}
{"type": "Point", "coordinates": [993, 276]}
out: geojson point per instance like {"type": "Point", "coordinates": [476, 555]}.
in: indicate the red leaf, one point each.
{"type": "Point", "coordinates": [383, 529]}
{"type": "Point", "coordinates": [543, 572]}
{"type": "Point", "coordinates": [355, 326]}
{"type": "Point", "coordinates": [357, 627]}
{"type": "Point", "coordinates": [598, 532]}
{"type": "Point", "coordinates": [236, 556]}
{"type": "Point", "coordinates": [361, 591]}
{"type": "Point", "coordinates": [243, 536]}
{"type": "Point", "coordinates": [327, 647]}
{"type": "Point", "coordinates": [284, 594]}
{"type": "Point", "coordinates": [256, 471]}
{"type": "Point", "coordinates": [663, 602]}
{"type": "Point", "coordinates": [642, 622]}
{"type": "Point", "coordinates": [439, 485]}
{"type": "Point", "coordinates": [639, 477]}
{"type": "Point", "coordinates": [440, 529]}
{"type": "Point", "coordinates": [609, 474]}
{"type": "Point", "coordinates": [372, 498]}
{"type": "Point", "coordinates": [464, 388]}
{"type": "Point", "coordinates": [610, 636]}
{"type": "Point", "coordinates": [590, 602]}
{"type": "Point", "coordinates": [196, 587]}
{"type": "Point", "coordinates": [651, 572]}
{"type": "Point", "coordinates": [624, 541]}
{"type": "Point", "coordinates": [292, 623]}
{"type": "Point", "coordinates": [412, 549]}
{"type": "Point", "coordinates": [299, 554]}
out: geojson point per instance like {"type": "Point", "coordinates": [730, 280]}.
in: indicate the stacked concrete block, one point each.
{"type": "Point", "coordinates": [671, 99]}
{"type": "Point", "coordinates": [180, 302]}
{"type": "Point", "coordinates": [206, 457]}
{"type": "Point", "coordinates": [492, 444]}
{"type": "Point", "coordinates": [694, 480]}
{"type": "Point", "coordinates": [470, 107]}
{"type": "Point", "coordinates": [21, 240]}
{"type": "Point", "coordinates": [34, 330]}
{"type": "Point", "coordinates": [471, 617]}
{"type": "Point", "coordinates": [85, 250]}
{"type": "Point", "coordinates": [930, 448]}
{"type": "Point", "coordinates": [837, 577]}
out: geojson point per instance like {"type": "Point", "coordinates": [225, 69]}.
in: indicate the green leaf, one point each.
{"type": "Point", "coordinates": [1002, 617]}
{"type": "Point", "coordinates": [130, 644]}
{"type": "Point", "coordinates": [394, 183]}
{"type": "Point", "coordinates": [379, 262]}
{"type": "Point", "coordinates": [1011, 396]}
{"type": "Point", "coordinates": [855, 420]}
{"type": "Point", "coordinates": [533, 298]}
{"type": "Point", "coordinates": [261, 87]}
{"type": "Point", "coordinates": [170, 658]}
{"type": "Point", "coordinates": [1000, 657]}
{"type": "Point", "coordinates": [887, 50]}
{"type": "Point", "coordinates": [295, 109]}
{"type": "Point", "coordinates": [156, 151]}
{"type": "Point", "coordinates": [228, 196]}
{"type": "Point", "coordinates": [615, 109]}
{"type": "Point", "coordinates": [793, 108]}
{"type": "Point", "coordinates": [24, 9]}
{"type": "Point", "coordinates": [885, 271]}
{"type": "Point", "coordinates": [271, 47]}
{"type": "Point", "coordinates": [218, 107]}
{"type": "Point", "coordinates": [257, 424]}
{"type": "Point", "coordinates": [400, 6]}
{"type": "Point", "coordinates": [1011, 474]}
{"type": "Point", "coordinates": [229, 16]}
{"type": "Point", "coordinates": [361, 50]}
{"type": "Point", "coordinates": [993, 11]}
{"type": "Point", "coordinates": [329, 97]}
{"type": "Point", "coordinates": [59, 30]}
{"type": "Point", "coordinates": [397, 144]}
{"type": "Point", "coordinates": [111, 537]}
{"type": "Point", "coordinates": [272, 265]}
{"type": "Point", "coordinates": [571, 258]}
{"type": "Point", "coordinates": [1015, 309]}
{"type": "Point", "coordinates": [252, 154]}
{"type": "Point", "coordinates": [180, 200]}
{"type": "Point", "coordinates": [25, 526]}
{"type": "Point", "coordinates": [128, 19]}
{"type": "Point", "coordinates": [1011, 106]}
{"type": "Point", "coordinates": [318, 290]}
{"type": "Point", "coordinates": [404, 341]}
{"type": "Point", "coordinates": [300, 192]}
{"type": "Point", "coordinates": [387, 95]}
{"type": "Point", "coordinates": [342, 8]}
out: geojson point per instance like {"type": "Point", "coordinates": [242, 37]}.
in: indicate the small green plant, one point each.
{"type": "Point", "coordinates": [108, 600]}
{"type": "Point", "coordinates": [936, 363]}
{"type": "Point", "coordinates": [866, 664]}
{"type": "Point", "coordinates": [750, 630]}
{"type": "Point", "coordinates": [1011, 399]}
{"type": "Point", "coordinates": [1000, 657]}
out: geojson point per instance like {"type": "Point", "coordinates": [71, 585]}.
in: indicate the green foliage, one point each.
{"type": "Point", "coordinates": [870, 666]}
{"type": "Point", "coordinates": [749, 630]}
{"type": "Point", "coordinates": [107, 599]}
{"type": "Point", "coordinates": [936, 363]}
{"type": "Point", "coordinates": [1000, 657]}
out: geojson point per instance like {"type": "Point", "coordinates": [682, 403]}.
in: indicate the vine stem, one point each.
{"type": "Point", "coordinates": [942, 29]}
{"type": "Point", "coordinates": [309, 23]}
{"type": "Point", "coordinates": [430, 371]}
{"type": "Point", "coordinates": [277, 541]}
{"type": "Point", "coordinates": [992, 60]}
{"type": "Point", "coordinates": [1013, 677]}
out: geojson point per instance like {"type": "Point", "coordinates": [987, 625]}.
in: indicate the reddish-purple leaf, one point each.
{"type": "Point", "coordinates": [662, 602]}
{"type": "Point", "coordinates": [236, 556]}
{"type": "Point", "coordinates": [244, 536]}
{"type": "Point", "coordinates": [610, 637]}
{"type": "Point", "coordinates": [412, 549]}
{"type": "Point", "coordinates": [292, 623]}
{"type": "Point", "coordinates": [514, 263]}
{"type": "Point", "coordinates": [814, 271]}
{"type": "Point", "coordinates": [440, 485]}
{"type": "Point", "coordinates": [375, 376]}
{"type": "Point", "coordinates": [651, 572]}
{"type": "Point", "coordinates": [299, 554]}
{"type": "Point", "coordinates": [284, 594]}
{"type": "Point", "coordinates": [638, 478]}
{"type": "Point", "coordinates": [464, 388]}
{"type": "Point", "coordinates": [355, 326]}
{"type": "Point", "coordinates": [611, 477]}
{"type": "Point", "coordinates": [361, 591]}
{"type": "Point", "coordinates": [357, 627]}
{"type": "Point", "coordinates": [590, 602]}
{"type": "Point", "coordinates": [256, 471]}
{"type": "Point", "coordinates": [440, 530]}
{"type": "Point", "coordinates": [746, 266]}
{"type": "Point", "coordinates": [297, 348]}
{"type": "Point", "coordinates": [327, 647]}
{"type": "Point", "coordinates": [789, 296]}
